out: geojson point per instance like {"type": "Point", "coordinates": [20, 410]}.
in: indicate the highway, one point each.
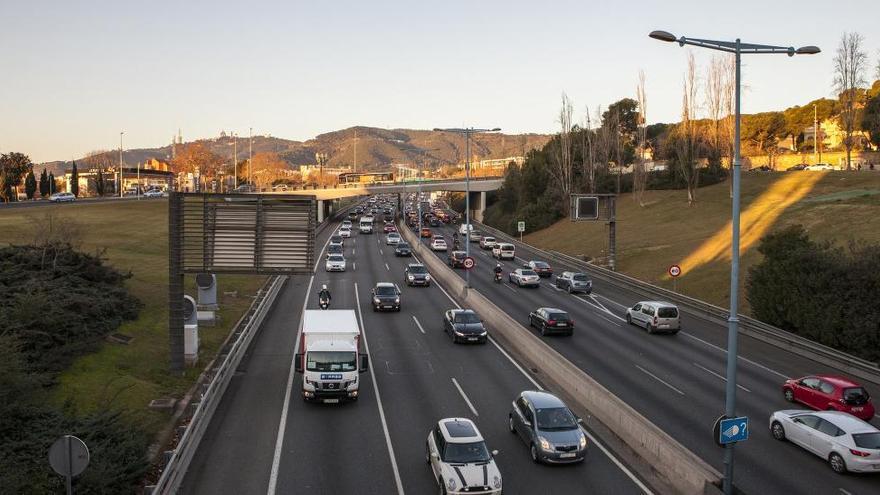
{"type": "Point", "coordinates": [265, 439]}
{"type": "Point", "coordinates": [677, 381]}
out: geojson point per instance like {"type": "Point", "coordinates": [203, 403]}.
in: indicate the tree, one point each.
{"type": "Point", "coordinates": [53, 187]}
{"type": "Point", "coordinates": [13, 167]}
{"type": "Point", "coordinates": [30, 184]}
{"type": "Point", "coordinates": [44, 184]}
{"type": "Point", "coordinates": [849, 67]}
{"type": "Point", "coordinates": [762, 131]}
{"type": "Point", "coordinates": [74, 180]}
{"type": "Point", "coordinates": [197, 157]}
{"type": "Point", "coordinates": [639, 174]}
{"type": "Point", "coordinates": [686, 135]}
{"type": "Point", "coordinates": [267, 168]}
{"type": "Point", "coordinates": [871, 114]}
{"type": "Point", "coordinates": [100, 183]}
{"type": "Point", "coordinates": [561, 169]}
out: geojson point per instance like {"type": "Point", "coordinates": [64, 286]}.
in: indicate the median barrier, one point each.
{"type": "Point", "coordinates": [672, 464]}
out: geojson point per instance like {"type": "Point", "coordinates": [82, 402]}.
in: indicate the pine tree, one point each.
{"type": "Point", "coordinates": [30, 184]}
{"type": "Point", "coordinates": [74, 181]}
{"type": "Point", "coordinates": [100, 185]}
{"type": "Point", "coordinates": [52, 187]}
{"type": "Point", "coordinates": [44, 184]}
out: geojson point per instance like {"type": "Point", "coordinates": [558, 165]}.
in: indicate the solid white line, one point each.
{"type": "Point", "coordinates": [282, 424]}
{"type": "Point", "coordinates": [509, 286]}
{"type": "Point", "coordinates": [717, 375]}
{"type": "Point", "coordinates": [380, 251]}
{"type": "Point", "coordinates": [465, 397]}
{"type": "Point", "coordinates": [742, 358]}
{"type": "Point", "coordinates": [553, 286]}
{"type": "Point", "coordinates": [354, 265]}
{"type": "Point", "coordinates": [844, 492]}
{"type": "Point", "coordinates": [418, 324]}
{"type": "Point", "coordinates": [386, 267]}
{"type": "Point", "coordinates": [619, 464]}
{"type": "Point", "coordinates": [610, 300]}
{"type": "Point", "coordinates": [652, 375]}
{"type": "Point", "coordinates": [606, 309]}
{"type": "Point", "coordinates": [378, 397]}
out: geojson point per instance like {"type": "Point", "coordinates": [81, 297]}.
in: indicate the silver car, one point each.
{"type": "Point", "coordinates": [574, 282]}
{"type": "Point", "coordinates": [655, 316]}
{"type": "Point", "coordinates": [548, 427]}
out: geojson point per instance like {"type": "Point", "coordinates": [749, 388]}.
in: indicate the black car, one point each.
{"type": "Point", "coordinates": [463, 325]}
{"type": "Point", "coordinates": [551, 320]}
{"type": "Point", "coordinates": [417, 274]}
{"type": "Point", "coordinates": [386, 296]}
{"type": "Point", "coordinates": [456, 259]}
{"type": "Point", "coordinates": [402, 249]}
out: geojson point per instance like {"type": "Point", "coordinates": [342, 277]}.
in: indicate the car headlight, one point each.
{"type": "Point", "coordinates": [427, 277]}
{"type": "Point", "coordinates": [376, 300]}
{"type": "Point", "coordinates": [583, 441]}
{"type": "Point", "coordinates": [497, 482]}
{"type": "Point", "coordinates": [450, 484]}
{"type": "Point", "coordinates": [410, 278]}
{"type": "Point", "coordinates": [396, 300]}
{"type": "Point", "coordinates": [544, 443]}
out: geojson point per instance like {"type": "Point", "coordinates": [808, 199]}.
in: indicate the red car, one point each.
{"type": "Point", "coordinates": [426, 232]}
{"type": "Point", "coordinates": [389, 227]}
{"type": "Point", "coordinates": [830, 393]}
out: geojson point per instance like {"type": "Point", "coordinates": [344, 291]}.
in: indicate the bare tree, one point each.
{"type": "Point", "coordinates": [728, 102]}
{"type": "Point", "coordinates": [587, 156]}
{"type": "Point", "coordinates": [715, 107]}
{"type": "Point", "coordinates": [849, 75]}
{"type": "Point", "coordinates": [686, 142]}
{"type": "Point", "coordinates": [562, 171]}
{"type": "Point", "coordinates": [640, 176]}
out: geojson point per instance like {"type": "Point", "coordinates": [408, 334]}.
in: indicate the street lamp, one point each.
{"type": "Point", "coordinates": [737, 48]}
{"type": "Point", "coordinates": [467, 131]}
{"type": "Point", "coordinates": [120, 162]}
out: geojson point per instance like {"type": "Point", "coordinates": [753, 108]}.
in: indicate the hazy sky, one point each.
{"type": "Point", "coordinates": [75, 73]}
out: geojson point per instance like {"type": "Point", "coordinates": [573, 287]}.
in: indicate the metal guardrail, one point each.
{"type": "Point", "coordinates": [770, 334]}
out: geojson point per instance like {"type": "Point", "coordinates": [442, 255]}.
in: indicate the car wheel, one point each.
{"type": "Point", "coordinates": [629, 319]}
{"type": "Point", "coordinates": [427, 454]}
{"type": "Point", "coordinates": [777, 431]}
{"type": "Point", "coordinates": [533, 453]}
{"type": "Point", "coordinates": [649, 328]}
{"type": "Point", "coordinates": [569, 289]}
{"type": "Point", "coordinates": [442, 486]}
{"type": "Point", "coordinates": [837, 463]}
{"type": "Point", "coordinates": [510, 424]}
{"type": "Point", "coordinates": [375, 309]}
{"type": "Point", "coordinates": [788, 394]}
{"type": "Point", "coordinates": [543, 329]}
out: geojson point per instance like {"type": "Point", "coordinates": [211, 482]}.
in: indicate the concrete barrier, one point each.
{"type": "Point", "coordinates": [673, 465]}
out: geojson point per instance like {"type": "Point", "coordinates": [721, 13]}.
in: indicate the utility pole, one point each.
{"type": "Point", "coordinates": [120, 163]}
{"type": "Point", "coordinates": [355, 164]}
{"type": "Point", "coordinates": [251, 154]}
{"type": "Point", "coordinates": [815, 135]}
{"type": "Point", "coordinates": [235, 157]}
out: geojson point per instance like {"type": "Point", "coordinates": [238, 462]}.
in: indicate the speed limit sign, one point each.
{"type": "Point", "coordinates": [674, 271]}
{"type": "Point", "coordinates": [468, 263]}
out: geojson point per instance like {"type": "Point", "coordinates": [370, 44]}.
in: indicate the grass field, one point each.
{"type": "Point", "coordinates": [833, 206]}
{"type": "Point", "coordinates": [134, 235]}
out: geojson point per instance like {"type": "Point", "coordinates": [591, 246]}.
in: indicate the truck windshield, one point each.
{"type": "Point", "coordinates": [330, 361]}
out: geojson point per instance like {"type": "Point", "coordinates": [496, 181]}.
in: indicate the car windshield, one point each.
{"type": "Point", "coordinates": [667, 312]}
{"type": "Point", "coordinates": [467, 318]}
{"type": "Point", "coordinates": [402, 245]}
{"type": "Point", "coordinates": [558, 316]}
{"type": "Point", "coordinates": [855, 395]}
{"type": "Point", "coordinates": [540, 264]}
{"type": "Point", "coordinates": [336, 238]}
{"type": "Point", "coordinates": [528, 272]}
{"type": "Point", "coordinates": [555, 418]}
{"type": "Point", "coordinates": [507, 248]}
{"type": "Point", "coordinates": [336, 257]}
{"type": "Point", "coordinates": [580, 278]}
{"type": "Point", "coordinates": [386, 290]}
{"type": "Point", "coordinates": [393, 235]}
{"type": "Point", "coordinates": [867, 440]}
{"type": "Point", "coordinates": [417, 269]}
{"type": "Point", "coordinates": [466, 453]}
{"type": "Point", "coordinates": [330, 361]}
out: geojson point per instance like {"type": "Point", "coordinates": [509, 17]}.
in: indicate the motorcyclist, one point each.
{"type": "Point", "coordinates": [324, 294]}
{"type": "Point", "coordinates": [498, 270]}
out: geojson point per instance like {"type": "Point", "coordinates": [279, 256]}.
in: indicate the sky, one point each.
{"type": "Point", "coordinates": [73, 75]}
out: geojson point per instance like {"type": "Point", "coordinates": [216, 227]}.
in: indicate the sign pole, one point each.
{"type": "Point", "coordinates": [68, 475]}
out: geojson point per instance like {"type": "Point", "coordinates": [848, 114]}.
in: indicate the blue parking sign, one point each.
{"type": "Point", "coordinates": [732, 430]}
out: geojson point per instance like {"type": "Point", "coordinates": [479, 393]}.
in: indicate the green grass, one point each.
{"type": "Point", "coordinates": [839, 208]}
{"type": "Point", "coordinates": [134, 235]}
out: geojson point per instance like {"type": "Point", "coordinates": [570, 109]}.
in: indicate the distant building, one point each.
{"type": "Point", "coordinates": [308, 170]}
{"type": "Point", "coordinates": [153, 174]}
{"type": "Point", "coordinates": [832, 135]}
{"type": "Point", "coordinates": [500, 162]}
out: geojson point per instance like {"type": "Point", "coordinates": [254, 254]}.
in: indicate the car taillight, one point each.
{"type": "Point", "coordinates": [551, 322]}
{"type": "Point", "coordinates": [859, 453]}
{"type": "Point", "coordinates": [655, 320]}
{"type": "Point", "coordinates": [571, 322]}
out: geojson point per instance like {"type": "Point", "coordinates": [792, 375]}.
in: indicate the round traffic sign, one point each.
{"type": "Point", "coordinates": [674, 271]}
{"type": "Point", "coordinates": [469, 262]}
{"type": "Point", "coordinates": [69, 456]}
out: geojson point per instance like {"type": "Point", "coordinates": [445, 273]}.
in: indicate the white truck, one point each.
{"type": "Point", "coordinates": [366, 225]}
{"type": "Point", "coordinates": [329, 356]}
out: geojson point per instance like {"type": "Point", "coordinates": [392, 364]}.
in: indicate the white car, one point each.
{"type": "Point", "coordinates": [62, 197]}
{"type": "Point", "coordinates": [346, 224]}
{"type": "Point", "coordinates": [438, 245]}
{"type": "Point", "coordinates": [335, 263]}
{"type": "Point", "coordinates": [503, 251]}
{"type": "Point", "coordinates": [155, 193]}
{"type": "Point", "coordinates": [345, 233]}
{"type": "Point", "coordinates": [336, 240]}
{"type": "Point", "coordinates": [523, 277]}
{"type": "Point", "coordinates": [845, 441]}
{"type": "Point", "coordinates": [487, 242]}
{"type": "Point", "coordinates": [392, 239]}
{"type": "Point", "coordinates": [459, 459]}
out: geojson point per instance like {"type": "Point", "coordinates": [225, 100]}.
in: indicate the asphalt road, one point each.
{"type": "Point", "coordinates": [259, 442]}
{"type": "Point", "coordinates": [677, 381]}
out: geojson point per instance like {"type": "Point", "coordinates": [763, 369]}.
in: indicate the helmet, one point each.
{"type": "Point", "coordinates": [498, 265]}
{"type": "Point", "coordinates": [324, 287]}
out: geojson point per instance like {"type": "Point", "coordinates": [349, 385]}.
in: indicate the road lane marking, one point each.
{"type": "Point", "coordinates": [418, 324]}
{"type": "Point", "coordinates": [380, 251]}
{"type": "Point", "coordinates": [353, 251]}
{"type": "Point", "coordinates": [652, 375]}
{"type": "Point", "coordinates": [718, 375]}
{"type": "Point", "coordinates": [606, 309]}
{"type": "Point", "coordinates": [610, 300]}
{"type": "Point", "coordinates": [378, 397]}
{"type": "Point", "coordinates": [282, 424]}
{"type": "Point", "coordinates": [386, 267]}
{"type": "Point", "coordinates": [465, 397]}
{"type": "Point", "coordinates": [747, 360]}
{"type": "Point", "coordinates": [354, 265]}
{"type": "Point", "coordinates": [600, 313]}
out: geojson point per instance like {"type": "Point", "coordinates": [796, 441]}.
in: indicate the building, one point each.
{"type": "Point", "coordinates": [153, 174]}
{"type": "Point", "coordinates": [500, 162]}
{"type": "Point", "coordinates": [307, 170]}
{"type": "Point", "coordinates": [832, 136]}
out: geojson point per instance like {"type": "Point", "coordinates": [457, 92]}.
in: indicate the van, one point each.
{"type": "Point", "coordinates": [366, 225]}
{"type": "Point", "coordinates": [655, 316]}
{"type": "Point", "coordinates": [504, 251]}
{"type": "Point", "coordinates": [463, 229]}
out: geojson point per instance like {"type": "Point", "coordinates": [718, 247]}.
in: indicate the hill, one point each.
{"type": "Point", "coordinates": [836, 207]}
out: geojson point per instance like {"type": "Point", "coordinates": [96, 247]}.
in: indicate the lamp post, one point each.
{"type": "Point", "coordinates": [419, 195]}
{"type": "Point", "coordinates": [467, 131]}
{"type": "Point", "coordinates": [737, 48]}
{"type": "Point", "coordinates": [120, 162]}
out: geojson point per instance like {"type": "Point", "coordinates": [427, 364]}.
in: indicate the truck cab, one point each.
{"type": "Point", "coordinates": [329, 357]}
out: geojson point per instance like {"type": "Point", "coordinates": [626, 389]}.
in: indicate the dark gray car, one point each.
{"type": "Point", "coordinates": [548, 427]}
{"type": "Point", "coordinates": [574, 282]}
{"type": "Point", "coordinates": [463, 325]}
{"type": "Point", "coordinates": [386, 296]}
{"type": "Point", "coordinates": [417, 274]}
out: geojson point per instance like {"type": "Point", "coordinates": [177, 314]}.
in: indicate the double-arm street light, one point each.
{"type": "Point", "coordinates": [737, 48]}
{"type": "Point", "coordinates": [467, 131]}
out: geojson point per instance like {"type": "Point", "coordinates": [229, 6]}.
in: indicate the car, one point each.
{"type": "Point", "coordinates": [336, 240]}
{"type": "Point", "coordinates": [386, 296]}
{"type": "Point", "coordinates": [799, 166]}
{"type": "Point", "coordinates": [353, 214]}
{"type": "Point", "coordinates": [460, 460]}
{"type": "Point", "coordinates": [456, 259]}
{"type": "Point", "coordinates": [487, 242]}
{"type": "Point", "coordinates": [62, 197]}
{"type": "Point", "coordinates": [426, 232]}
{"type": "Point", "coordinates": [463, 325]}
{"type": "Point", "coordinates": [346, 224]}
{"type": "Point", "coordinates": [335, 249]}
{"type": "Point", "coordinates": [551, 320]}
{"type": "Point", "coordinates": [523, 277]}
{"type": "Point", "coordinates": [820, 166]}
{"type": "Point", "coordinates": [439, 244]}
{"type": "Point", "coordinates": [476, 236]}
{"type": "Point", "coordinates": [389, 227]}
{"type": "Point", "coordinates": [335, 263]}
{"type": "Point", "coordinates": [827, 392]}
{"type": "Point", "coordinates": [540, 267]}
{"type": "Point", "coordinates": [344, 233]}
{"type": "Point", "coordinates": [655, 316]}
{"type": "Point", "coordinates": [463, 228]}
{"type": "Point", "coordinates": [544, 423]}
{"type": "Point", "coordinates": [845, 441]}
{"type": "Point", "coordinates": [402, 249]}
{"type": "Point", "coordinates": [392, 239]}
{"type": "Point", "coordinates": [503, 251]}
{"type": "Point", "coordinates": [574, 282]}
{"type": "Point", "coordinates": [417, 274]}
{"type": "Point", "coordinates": [155, 193]}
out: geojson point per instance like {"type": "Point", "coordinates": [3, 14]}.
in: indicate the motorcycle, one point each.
{"type": "Point", "coordinates": [324, 303]}
{"type": "Point", "coordinates": [497, 277]}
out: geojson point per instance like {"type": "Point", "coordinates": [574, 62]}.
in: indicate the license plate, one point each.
{"type": "Point", "coordinates": [473, 339]}
{"type": "Point", "coordinates": [664, 326]}
{"type": "Point", "coordinates": [567, 455]}
{"type": "Point", "coordinates": [857, 409]}
{"type": "Point", "coordinates": [561, 324]}
{"type": "Point", "coordinates": [387, 307]}
{"type": "Point", "coordinates": [331, 401]}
